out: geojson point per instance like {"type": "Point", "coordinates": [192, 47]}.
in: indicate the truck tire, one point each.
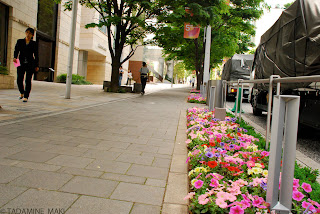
{"type": "Point", "coordinates": [256, 111]}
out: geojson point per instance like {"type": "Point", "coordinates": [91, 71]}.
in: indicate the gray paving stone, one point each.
{"type": "Point", "coordinates": [138, 159]}
{"type": "Point", "coordinates": [156, 182]}
{"type": "Point", "coordinates": [174, 208]}
{"type": "Point", "coordinates": [67, 150]}
{"type": "Point", "coordinates": [8, 173]}
{"type": "Point", "coordinates": [177, 189]}
{"type": "Point", "coordinates": [148, 171]}
{"type": "Point", "coordinates": [32, 139]}
{"type": "Point", "coordinates": [64, 143]}
{"type": "Point", "coordinates": [145, 209]}
{"type": "Point", "coordinates": [113, 144]}
{"type": "Point", "coordinates": [42, 199]}
{"type": "Point", "coordinates": [179, 164]}
{"type": "Point", "coordinates": [32, 156]}
{"type": "Point", "coordinates": [7, 151]}
{"type": "Point", "coordinates": [139, 193]}
{"type": "Point", "coordinates": [8, 192]}
{"type": "Point", "coordinates": [39, 166]}
{"type": "Point", "coordinates": [82, 172]}
{"type": "Point", "coordinates": [143, 148]}
{"type": "Point", "coordinates": [149, 154]}
{"type": "Point", "coordinates": [8, 162]}
{"type": "Point", "coordinates": [124, 178]}
{"type": "Point", "coordinates": [125, 151]}
{"type": "Point", "coordinates": [109, 166]}
{"type": "Point", "coordinates": [165, 151]}
{"type": "Point", "coordinates": [71, 161]}
{"type": "Point", "coordinates": [40, 147]}
{"type": "Point", "coordinates": [86, 205]}
{"type": "Point", "coordinates": [90, 186]}
{"type": "Point", "coordinates": [161, 162]}
{"type": "Point", "coordinates": [42, 180]}
{"type": "Point", "coordinates": [101, 154]}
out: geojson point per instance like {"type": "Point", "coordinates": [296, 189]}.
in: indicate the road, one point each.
{"type": "Point", "coordinates": [308, 138]}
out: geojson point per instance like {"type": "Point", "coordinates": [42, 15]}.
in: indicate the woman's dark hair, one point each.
{"type": "Point", "coordinates": [31, 30]}
{"type": "Point", "coordinates": [144, 64]}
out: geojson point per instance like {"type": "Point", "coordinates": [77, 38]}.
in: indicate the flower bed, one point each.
{"type": "Point", "coordinates": [196, 98]}
{"type": "Point", "coordinates": [195, 91]}
{"type": "Point", "coordinates": [228, 171]}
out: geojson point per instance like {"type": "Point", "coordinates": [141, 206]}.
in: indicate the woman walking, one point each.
{"type": "Point", "coordinates": [144, 74]}
{"type": "Point", "coordinates": [27, 51]}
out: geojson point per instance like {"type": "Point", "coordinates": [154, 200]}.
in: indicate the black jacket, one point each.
{"type": "Point", "coordinates": [28, 52]}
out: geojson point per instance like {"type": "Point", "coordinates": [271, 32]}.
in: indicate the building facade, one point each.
{"type": "Point", "coordinates": [53, 25]}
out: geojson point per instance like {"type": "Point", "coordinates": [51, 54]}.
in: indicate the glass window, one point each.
{"type": "Point", "coordinates": [103, 28]}
{"type": "Point", "coordinates": [3, 34]}
{"type": "Point", "coordinates": [47, 16]}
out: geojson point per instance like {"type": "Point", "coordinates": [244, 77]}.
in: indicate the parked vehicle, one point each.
{"type": "Point", "coordinates": [291, 48]}
{"type": "Point", "coordinates": [238, 67]}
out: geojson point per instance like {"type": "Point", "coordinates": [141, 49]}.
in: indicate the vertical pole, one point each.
{"type": "Point", "coordinates": [270, 106]}
{"type": "Point", "coordinates": [206, 74]}
{"type": "Point", "coordinates": [212, 98]}
{"type": "Point", "coordinates": [269, 111]}
{"type": "Point", "coordinates": [241, 101]}
{"type": "Point", "coordinates": [71, 47]}
{"type": "Point", "coordinates": [225, 93]}
{"type": "Point", "coordinates": [284, 132]}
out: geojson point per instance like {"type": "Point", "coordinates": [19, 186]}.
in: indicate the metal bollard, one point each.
{"type": "Point", "coordinates": [284, 129]}
{"type": "Point", "coordinates": [212, 98]}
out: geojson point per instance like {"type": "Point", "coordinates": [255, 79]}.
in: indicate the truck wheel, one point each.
{"type": "Point", "coordinates": [256, 111]}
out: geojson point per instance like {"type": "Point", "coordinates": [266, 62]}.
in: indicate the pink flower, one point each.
{"type": "Point", "coordinates": [236, 210]}
{"type": "Point", "coordinates": [298, 196]}
{"type": "Point", "coordinates": [214, 183]}
{"type": "Point", "coordinates": [250, 164]}
{"type": "Point", "coordinates": [256, 203]}
{"type": "Point", "coordinates": [202, 199]}
{"type": "Point", "coordinates": [245, 204]}
{"type": "Point", "coordinates": [306, 187]}
{"type": "Point", "coordinates": [296, 183]}
{"type": "Point", "coordinates": [308, 205]}
{"type": "Point", "coordinates": [189, 196]}
{"type": "Point", "coordinates": [198, 184]}
{"type": "Point", "coordinates": [221, 203]}
{"type": "Point", "coordinates": [188, 141]}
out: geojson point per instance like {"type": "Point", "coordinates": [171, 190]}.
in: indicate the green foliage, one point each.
{"type": "Point", "coordinates": [287, 5]}
{"type": "Point", "coordinates": [304, 174]}
{"type": "Point", "coordinates": [181, 71]}
{"type": "Point", "coordinates": [232, 29]}
{"type": "Point", "coordinates": [4, 70]}
{"type": "Point", "coordinates": [76, 79]}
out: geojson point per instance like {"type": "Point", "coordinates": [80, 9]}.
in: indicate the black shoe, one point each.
{"type": "Point", "coordinates": [25, 100]}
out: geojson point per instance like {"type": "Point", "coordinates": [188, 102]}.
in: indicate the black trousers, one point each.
{"type": "Point", "coordinates": [143, 83]}
{"type": "Point", "coordinates": [21, 71]}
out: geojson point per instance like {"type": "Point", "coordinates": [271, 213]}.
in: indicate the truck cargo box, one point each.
{"type": "Point", "coordinates": [291, 47]}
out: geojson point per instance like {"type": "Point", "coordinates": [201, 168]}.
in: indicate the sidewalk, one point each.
{"type": "Point", "coordinates": [95, 153]}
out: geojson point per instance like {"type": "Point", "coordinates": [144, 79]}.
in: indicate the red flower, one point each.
{"type": "Point", "coordinates": [212, 144]}
{"type": "Point", "coordinates": [205, 145]}
{"type": "Point", "coordinates": [239, 134]}
{"type": "Point", "coordinates": [218, 140]}
{"type": "Point", "coordinates": [212, 164]}
{"type": "Point", "coordinates": [233, 169]}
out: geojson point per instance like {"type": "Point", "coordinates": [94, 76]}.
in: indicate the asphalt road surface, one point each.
{"type": "Point", "coordinates": [308, 138]}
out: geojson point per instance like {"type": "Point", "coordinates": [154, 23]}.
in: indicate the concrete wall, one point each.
{"type": "Point", "coordinates": [63, 40]}
{"type": "Point", "coordinates": [22, 14]}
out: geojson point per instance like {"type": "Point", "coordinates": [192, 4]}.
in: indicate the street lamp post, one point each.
{"type": "Point", "coordinates": [71, 47]}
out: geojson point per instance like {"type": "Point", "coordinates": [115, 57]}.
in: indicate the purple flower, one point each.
{"type": "Point", "coordinates": [219, 149]}
{"type": "Point", "coordinates": [245, 130]}
{"type": "Point", "coordinates": [231, 146]}
{"type": "Point", "coordinates": [209, 154]}
{"type": "Point", "coordinates": [222, 144]}
{"type": "Point", "coordinates": [217, 155]}
{"type": "Point", "coordinates": [228, 120]}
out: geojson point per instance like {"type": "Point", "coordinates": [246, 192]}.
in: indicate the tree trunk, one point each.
{"type": "Point", "coordinates": [115, 75]}
{"type": "Point", "coordinates": [197, 64]}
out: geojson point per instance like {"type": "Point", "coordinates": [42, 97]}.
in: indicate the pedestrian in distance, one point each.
{"type": "Point", "coordinates": [129, 77]}
{"type": "Point", "coordinates": [192, 81]}
{"type": "Point", "coordinates": [144, 74]}
{"type": "Point", "coordinates": [26, 59]}
{"type": "Point", "coordinates": [120, 75]}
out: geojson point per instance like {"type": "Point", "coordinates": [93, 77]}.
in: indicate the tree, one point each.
{"type": "Point", "coordinates": [287, 5]}
{"type": "Point", "coordinates": [181, 71]}
{"type": "Point", "coordinates": [232, 29]}
{"type": "Point", "coordinates": [128, 17]}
